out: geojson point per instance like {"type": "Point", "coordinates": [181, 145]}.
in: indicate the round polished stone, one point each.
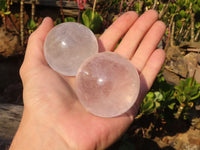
{"type": "Point", "coordinates": [67, 45]}
{"type": "Point", "coordinates": [107, 84]}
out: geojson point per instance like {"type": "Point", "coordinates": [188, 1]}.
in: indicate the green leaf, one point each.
{"type": "Point", "coordinates": [92, 20]}
{"type": "Point", "coordinates": [150, 95]}
{"type": "Point", "coordinates": [197, 25]}
{"type": "Point", "coordinates": [97, 23]}
{"type": "Point", "coordinates": [180, 2]}
{"type": "Point", "coordinates": [148, 3]}
{"type": "Point", "coordinates": [86, 20]}
{"type": "Point", "coordinates": [16, 15]}
{"type": "Point", "coordinates": [172, 8]}
{"type": "Point", "coordinates": [58, 21]}
{"type": "Point", "coordinates": [31, 24]}
{"type": "Point", "coordinates": [137, 7]}
{"type": "Point", "coordinates": [158, 96]}
{"type": "Point", "coordinates": [195, 96]}
{"type": "Point", "coordinates": [196, 8]}
{"type": "Point", "coordinates": [160, 7]}
{"type": "Point", "coordinates": [3, 5]}
{"type": "Point", "coordinates": [198, 2]}
{"type": "Point", "coordinates": [7, 12]}
{"type": "Point", "coordinates": [171, 106]}
{"type": "Point", "coordinates": [147, 107]}
{"type": "Point", "coordinates": [69, 19]}
{"type": "Point", "coordinates": [183, 13]}
{"type": "Point", "coordinates": [157, 105]}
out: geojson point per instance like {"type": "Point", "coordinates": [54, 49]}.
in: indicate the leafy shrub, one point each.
{"type": "Point", "coordinates": [166, 101]}
{"type": "Point", "coordinates": [92, 20]}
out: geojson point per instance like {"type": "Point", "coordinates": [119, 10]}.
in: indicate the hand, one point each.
{"type": "Point", "coordinates": [53, 118]}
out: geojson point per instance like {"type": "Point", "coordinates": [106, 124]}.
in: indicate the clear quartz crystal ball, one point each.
{"type": "Point", "coordinates": [107, 84]}
{"type": "Point", "coordinates": [67, 45]}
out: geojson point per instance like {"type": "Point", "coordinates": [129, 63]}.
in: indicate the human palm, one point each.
{"type": "Point", "coordinates": [51, 106]}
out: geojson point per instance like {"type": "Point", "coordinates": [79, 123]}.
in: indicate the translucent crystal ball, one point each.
{"type": "Point", "coordinates": [67, 45]}
{"type": "Point", "coordinates": [107, 84]}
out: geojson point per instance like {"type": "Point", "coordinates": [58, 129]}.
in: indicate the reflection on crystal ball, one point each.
{"type": "Point", "coordinates": [107, 84]}
{"type": "Point", "coordinates": [67, 45]}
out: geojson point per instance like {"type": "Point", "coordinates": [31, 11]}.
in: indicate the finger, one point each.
{"type": "Point", "coordinates": [136, 33]}
{"type": "Point", "coordinates": [151, 69]}
{"type": "Point", "coordinates": [34, 51]}
{"type": "Point", "coordinates": [147, 77]}
{"type": "Point", "coordinates": [112, 35]}
{"type": "Point", "coordinates": [148, 45]}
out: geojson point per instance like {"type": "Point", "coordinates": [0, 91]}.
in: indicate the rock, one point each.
{"type": "Point", "coordinates": [9, 44]}
{"type": "Point", "coordinates": [194, 139]}
{"type": "Point", "coordinates": [195, 123]}
{"type": "Point", "coordinates": [175, 62]}
{"type": "Point", "coordinates": [197, 74]}
{"type": "Point", "coordinates": [171, 77]}
{"type": "Point", "coordinates": [9, 121]}
{"type": "Point", "coordinates": [172, 53]}
{"type": "Point", "coordinates": [189, 140]}
{"type": "Point", "coordinates": [191, 61]}
{"type": "Point", "coordinates": [180, 66]}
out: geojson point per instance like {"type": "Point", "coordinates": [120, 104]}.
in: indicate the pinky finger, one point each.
{"type": "Point", "coordinates": [151, 69]}
{"type": "Point", "coordinates": [147, 77]}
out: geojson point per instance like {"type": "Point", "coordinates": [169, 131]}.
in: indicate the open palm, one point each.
{"type": "Point", "coordinates": [53, 118]}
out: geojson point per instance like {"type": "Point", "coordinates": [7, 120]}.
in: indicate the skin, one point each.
{"type": "Point", "coordinates": [53, 118]}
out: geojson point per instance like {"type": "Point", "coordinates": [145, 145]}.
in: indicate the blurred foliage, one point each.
{"type": "Point", "coordinates": [70, 19]}
{"type": "Point", "coordinates": [31, 25]}
{"type": "Point", "coordinates": [92, 20]}
{"type": "Point", "coordinates": [168, 102]}
{"type": "Point", "coordinates": [3, 5]}
{"type": "Point", "coordinates": [186, 93]}
{"type": "Point", "coordinates": [178, 11]}
{"type": "Point", "coordinates": [3, 10]}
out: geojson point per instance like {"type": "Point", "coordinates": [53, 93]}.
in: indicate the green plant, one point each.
{"type": "Point", "coordinates": [186, 93]}
{"type": "Point", "coordinates": [3, 5]}
{"type": "Point", "coordinates": [179, 12]}
{"type": "Point", "coordinates": [159, 99]}
{"type": "Point", "coordinates": [92, 20]}
{"type": "Point", "coordinates": [69, 19]}
{"type": "Point", "coordinates": [31, 25]}
{"type": "Point", "coordinates": [148, 105]}
{"type": "Point", "coordinates": [3, 11]}
{"type": "Point", "coordinates": [167, 102]}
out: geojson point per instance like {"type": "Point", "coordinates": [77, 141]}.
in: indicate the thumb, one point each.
{"type": "Point", "coordinates": [34, 51]}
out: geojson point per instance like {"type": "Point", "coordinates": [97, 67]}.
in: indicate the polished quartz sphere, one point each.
{"type": "Point", "coordinates": [107, 85]}
{"type": "Point", "coordinates": [67, 45]}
